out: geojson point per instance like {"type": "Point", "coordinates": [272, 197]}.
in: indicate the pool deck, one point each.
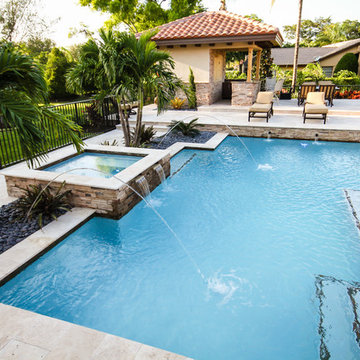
{"type": "Point", "coordinates": [344, 115]}
{"type": "Point", "coordinates": [25, 335]}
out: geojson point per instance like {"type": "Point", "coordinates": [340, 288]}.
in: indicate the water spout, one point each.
{"type": "Point", "coordinates": [143, 185]}
{"type": "Point", "coordinates": [268, 137]}
{"type": "Point", "coordinates": [231, 130]}
{"type": "Point", "coordinates": [161, 173]}
{"type": "Point", "coordinates": [316, 137]}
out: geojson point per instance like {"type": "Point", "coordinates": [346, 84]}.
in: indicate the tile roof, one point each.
{"type": "Point", "coordinates": [213, 24]}
{"type": "Point", "coordinates": [285, 56]}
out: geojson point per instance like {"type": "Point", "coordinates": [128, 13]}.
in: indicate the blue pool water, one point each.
{"type": "Point", "coordinates": [106, 164]}
{"type": "Point", "coordinates": [278, 247]}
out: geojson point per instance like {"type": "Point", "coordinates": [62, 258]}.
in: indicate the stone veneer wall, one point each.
{"type": "Point", "coordinates": [203, 93]}
{"type": "Point", "coordinates": [208, 92]}
{"type": "Point", "coordinates": [244, 93]}
{"type": "Point", "coordinates": [110, 202]}
{"type": "Point", "coordinates": [288, 133]}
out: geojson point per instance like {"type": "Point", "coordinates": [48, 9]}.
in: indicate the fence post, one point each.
{"type": "Point", "coordinates": [76, 114]}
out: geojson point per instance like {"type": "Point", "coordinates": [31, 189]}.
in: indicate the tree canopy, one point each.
{"type": "Point", "coordinates": [142, 15]}
{"type": "Point", "coordinates": [322, 31]}
{"type": "Point", "coordinates": [19, 20]}
{"type": "Point", "coordinates": [128, 68]}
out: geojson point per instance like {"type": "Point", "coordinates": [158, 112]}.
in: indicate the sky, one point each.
{"type": "Point", "coordinates": [284, 12]}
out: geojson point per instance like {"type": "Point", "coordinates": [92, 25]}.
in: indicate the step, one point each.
{"type": "Point", "coordinates": [157, 128]}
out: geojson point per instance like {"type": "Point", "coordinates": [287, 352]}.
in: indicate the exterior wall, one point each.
{"type": "Point", "coordinates": [331, 61]}
{"type": "Point", "coordinates": [198, 58]}
{"type": "Point", "coordinates": [208, 65]}
{"type": "Point", "coordinates": [217, 74]}
{"type": "Point", "coordinates": [244, 93]}
{"type": "Point", "coordinates": [110, 202]}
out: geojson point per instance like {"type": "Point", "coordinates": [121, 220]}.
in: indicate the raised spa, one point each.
{"type": "Point", "coordinates": [276, 244]}
{"type": "Point", "coordinates": [94, 164]}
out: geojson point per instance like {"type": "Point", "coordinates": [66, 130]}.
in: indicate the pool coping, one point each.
{"type": "Point", "coordinates": [211, 144]}
{"type": "Point", "coordinates": [149, 158]}
{"type": "Point", "coordinates": [28, 335]}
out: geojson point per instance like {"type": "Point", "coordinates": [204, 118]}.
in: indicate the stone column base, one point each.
{"type": "Point", "coordinates": [244, 93]}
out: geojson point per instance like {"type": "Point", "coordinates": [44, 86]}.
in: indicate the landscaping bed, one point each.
{"type": "Point", "coordinates": [163, 142]}
{"type": "Point", "coordinates": [12, 231]}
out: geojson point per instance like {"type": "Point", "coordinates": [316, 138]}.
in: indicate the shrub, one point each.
{"type": "Point", "coordinates": [107, 143]}
{"type": "Point", "coordinates": [187, 129]}
{"type": "Point", "coordinates": [39, 202]}
{"type": "Point", "coordinates": [92, 114]}
{"type": "Point", "coordinates": [177, 103]}
{"type": "Point", "coordinates": [347, 94]}
{"type": "Point", "coordinates": [56, 68]}
{"type": "Point", "coordinates": [191, 94]}
{"type": "Point", "coordinates": [346, 77]}
{"type": "Point", "coordinates": [348, 62]}
{"type": "Point", "coordinates": [235, 75]}
{"type": "Point", "coordinates": [146, 134]}
{"type": "Point", "coordinates": [312, 72]}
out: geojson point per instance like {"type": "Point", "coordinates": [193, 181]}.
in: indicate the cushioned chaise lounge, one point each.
{"type": "Point", "coordinates": [315, 105]}
{"type": "Point", "coordinates": [263, 106]}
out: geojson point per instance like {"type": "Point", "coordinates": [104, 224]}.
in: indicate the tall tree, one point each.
{"type": "Point", "coordinates": [322, 31]}
{"type": "Point", "coordinates": [297, 43]}
{"type": "Point", "coordinates": [19, 20]}
{"type": "Point", "coordinates": [310, 30]}
{"type": "Point", "coordinates": [22, 89]}
{"type": "Point", "coordinates": [142, 15]}
{"type": "Point", "coordinates": [56, 68]}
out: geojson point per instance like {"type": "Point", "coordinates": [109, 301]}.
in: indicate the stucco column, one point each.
{"type": "Point", "coordinates": [250, 61]}
{"type": "Point", "coordinates": [258, 61]}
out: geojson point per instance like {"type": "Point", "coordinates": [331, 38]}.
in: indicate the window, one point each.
{"type": "Point", "coordinates": [328, 70]}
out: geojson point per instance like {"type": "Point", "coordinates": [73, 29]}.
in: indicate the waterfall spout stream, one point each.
{"type": "Point", "coordinates": [181, 244]}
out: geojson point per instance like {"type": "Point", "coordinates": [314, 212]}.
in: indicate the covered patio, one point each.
{"type": "Point", "coordinates": [201, 41]}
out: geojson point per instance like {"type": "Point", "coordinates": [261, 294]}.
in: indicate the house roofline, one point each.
{"type": "Point", "coordinates": [274, 38]}
{"type": "Point", "coordinates": [340, 49]}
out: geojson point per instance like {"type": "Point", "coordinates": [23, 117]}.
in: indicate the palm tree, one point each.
{"type": "Point", "coordinates": [150, 71]}
{"type": "Point", "coordinates": [133, 68]}
{"type": "Point", "coordinates": [22, 90]}
{"type": "Point", "coordinates": [297, 42]}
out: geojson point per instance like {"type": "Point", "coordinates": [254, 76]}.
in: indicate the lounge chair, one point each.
{"type": "Point", "coordinates": [315, 105]}
{"type": "Point", "coordinates": [270, 84]}
{"type": "Point", "coordinates": [305, 88]}
{"type": "Point", "coordinates": [329, 91]}
{"type": "Point", "coordinates": [277, 90]}
{"type": "Point", "coordinates": [263, 106]}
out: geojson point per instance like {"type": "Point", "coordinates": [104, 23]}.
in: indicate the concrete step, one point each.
{"type": "Point", "coordinates": [157, 128]}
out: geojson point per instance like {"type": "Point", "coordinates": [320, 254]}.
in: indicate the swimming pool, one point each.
{"type": "Point", "coordinates": [105, 165]}
{"type": "Point", "coordinates": [278, 248]}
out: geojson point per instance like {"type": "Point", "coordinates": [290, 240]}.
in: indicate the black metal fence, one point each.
{"type": "Point", "coordinates": [94, 118]}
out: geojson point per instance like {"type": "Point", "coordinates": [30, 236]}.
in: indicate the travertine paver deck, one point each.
{"type": "Point", "coordinates": [25, 335]}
